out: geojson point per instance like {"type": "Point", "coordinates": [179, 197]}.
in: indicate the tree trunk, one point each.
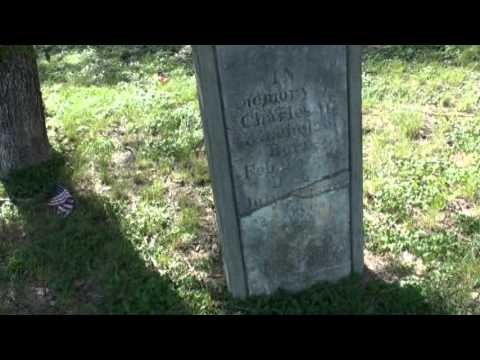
{"type": "Point", "coordinates": [23, 134]}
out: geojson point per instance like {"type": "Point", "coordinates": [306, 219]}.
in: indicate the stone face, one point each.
{"type": "Point", "coordinates": [297, 242]}
{"type": "Point", "coordinates": [281, 119]}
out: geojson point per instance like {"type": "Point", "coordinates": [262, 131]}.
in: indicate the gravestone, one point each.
{"type": "Point", "coordinates": [283, 134]}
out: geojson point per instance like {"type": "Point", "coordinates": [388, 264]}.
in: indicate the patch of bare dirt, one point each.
{"type": "Point", "coordinates": [461, 206]}
{"type": "Point", "coordinates": [390, 269]}
{"type": "Point", "coordinates": [124, 158]}
{"type": "Point", "coordinates": [89, 291]}
{"type": "Point", "coordinates": [37, 298]}
{"type": "Point", "coordinates": [31, 299]}
{"type": "Point", "coordinates": [457, 207]}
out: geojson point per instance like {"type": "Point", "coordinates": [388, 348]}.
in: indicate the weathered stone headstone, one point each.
{"type": "Point", "coordinates": [283, 133]}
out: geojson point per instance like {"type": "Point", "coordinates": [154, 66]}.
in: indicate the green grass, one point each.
{"type": "Point", "coordinates": [143, 237]}
{"type": "Point", "coordinates": [421, 164]}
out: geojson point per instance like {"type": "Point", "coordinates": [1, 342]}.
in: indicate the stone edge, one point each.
{"type": "Point", "coordinates": [354, 53]}
{"type": "Point", "coordinates": [212, 108]}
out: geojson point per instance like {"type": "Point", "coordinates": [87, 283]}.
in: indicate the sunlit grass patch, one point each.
{"type": "Point", "coordinates": [410, 123]}
{"type": "Point", "coordinates": [421, 167]}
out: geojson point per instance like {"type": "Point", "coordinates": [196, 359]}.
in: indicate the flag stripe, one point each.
{"type": "Point", "coordinates": [57, 200]}
{"type": "Point", "coordinates": [63, 201]}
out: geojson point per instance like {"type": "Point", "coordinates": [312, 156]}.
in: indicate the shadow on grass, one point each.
{"type": "Point", "coordinates": [377, 291]}
{"type": "Point", "coordinates": [85, 264]}
{"type": "Point", "coordinates": [79, 264]}
{"type": "Point", "coordinates": [110, 64]}
{"type": "Point", "coordinates": [353, 296]}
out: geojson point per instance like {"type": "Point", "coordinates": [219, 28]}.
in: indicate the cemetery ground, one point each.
{"type": "Point", "coordinates": [127, 137]}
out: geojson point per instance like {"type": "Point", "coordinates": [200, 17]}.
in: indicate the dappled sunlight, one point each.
{"type": "Point", "coordinates": [420, 155]}
{"type": "Point", "coordinates": [125, 126]}
{"type": "Point", "coordinates": [86, 261]}
{"type": "Point", "coordinates": [447, 55]}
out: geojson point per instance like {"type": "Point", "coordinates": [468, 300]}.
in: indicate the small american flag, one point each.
{"type": "Point", "coordinates": [63, 201]}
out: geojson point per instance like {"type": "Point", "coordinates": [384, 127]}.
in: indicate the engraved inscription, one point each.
{"type": "Point", "coordinates": [281, 77]}
{"type": "Point", "coordinates": [275, 138]}
{"type": "Point", "coordinates": [276, 98]}
{"type": "Point", "coordinates": [271, 169]}
{"type": "Point", "coordinates": [278, 130]}
{"type": "Point", "coordinates": [286, 166]}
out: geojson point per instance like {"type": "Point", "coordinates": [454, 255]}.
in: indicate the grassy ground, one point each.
{"type": "Point", "coordinates": [127, 135]}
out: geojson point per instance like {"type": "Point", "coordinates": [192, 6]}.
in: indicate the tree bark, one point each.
{"type": "Point", "coordinates": [23, 133]}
